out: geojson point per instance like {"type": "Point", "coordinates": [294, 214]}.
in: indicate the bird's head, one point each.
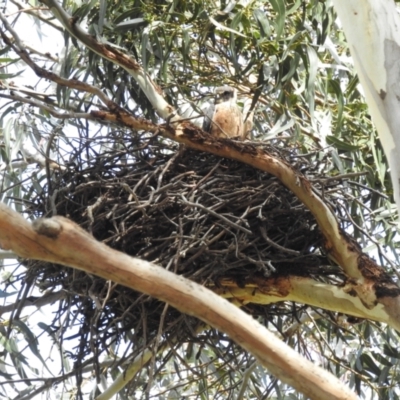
{"type": "Point", "coordinates": [225, 93]}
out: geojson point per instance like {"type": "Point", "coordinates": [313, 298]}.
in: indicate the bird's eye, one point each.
{"type": "Point", "coordinates": [226, 93]}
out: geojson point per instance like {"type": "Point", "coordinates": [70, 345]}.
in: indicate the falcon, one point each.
{"type": "Point", "coordinates": [224, 119]}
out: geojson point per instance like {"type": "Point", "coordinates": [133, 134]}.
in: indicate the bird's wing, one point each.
{"type": "Point", "coordinates": [208, 111]}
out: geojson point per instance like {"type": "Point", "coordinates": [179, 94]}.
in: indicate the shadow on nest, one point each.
{"type": "Point", "coordinates": [193, 213]}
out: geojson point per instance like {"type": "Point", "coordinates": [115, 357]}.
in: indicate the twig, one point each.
{"type": "Point", "coordinates": [276, 245]}
{"type": "Point", "coordinates": [213, 213]}
{"type": "Point", "coordinates": [51, 110]}
{"type": "Point", "coordinates": [19, 48]}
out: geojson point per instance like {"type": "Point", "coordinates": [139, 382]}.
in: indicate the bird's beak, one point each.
{"type": "Point", "coordinates": [218, 98]}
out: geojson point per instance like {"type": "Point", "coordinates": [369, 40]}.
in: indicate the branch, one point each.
{"type": "Point", "coordinates": [37, 14]}
{"type": "Point", "coordinates": [20, 49]}
{"type": "Point", "coordinates": [134, 367]}
{"type": "Point", "coordinates": [60, 241]}
{"type": "Point", "coordinates": [149, 88]}
{"type": "Point", "coordinates": [51, 110]}
{"type": "Point", "coordinates": [372, 31]}
{"type": "Point", "coordinates": [216, 215]}
{"type": "Point", "coordinates": [7, 254]}
{"type": "Point", "coordinates": [10, 86]}
{"type": "Point", "coordinates": [307, 291]}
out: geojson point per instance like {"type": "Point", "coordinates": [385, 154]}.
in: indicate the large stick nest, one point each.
{"type": "Point", "coordinates": [193, 213]}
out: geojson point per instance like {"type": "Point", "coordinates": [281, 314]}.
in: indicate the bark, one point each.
{"type": "Point", "coordinates": [372, 29]}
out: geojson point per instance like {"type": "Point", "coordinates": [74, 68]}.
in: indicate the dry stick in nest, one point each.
{"type": "Point", "coordinates": [58, 240]}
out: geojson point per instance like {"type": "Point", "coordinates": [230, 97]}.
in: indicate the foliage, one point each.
{"type": "Point", "coordinates": [291, 60]}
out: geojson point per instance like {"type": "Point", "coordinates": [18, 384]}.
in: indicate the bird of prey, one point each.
{"type": "Point", "coordinates": [224, 118]}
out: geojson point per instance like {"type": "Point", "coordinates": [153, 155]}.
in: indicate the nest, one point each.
{"type": "Point", "coordinates": [193, 213]}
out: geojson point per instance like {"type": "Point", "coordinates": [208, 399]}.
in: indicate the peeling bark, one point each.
{"type": "Point", "coordinates": [345, 299]}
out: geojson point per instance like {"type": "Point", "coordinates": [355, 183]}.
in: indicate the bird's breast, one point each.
{"type": "Point", "coordinates": [227, 121]}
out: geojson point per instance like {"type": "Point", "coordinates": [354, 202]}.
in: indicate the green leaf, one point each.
{"type": "Point", "coordinates": [225, 28]}
{"type": "Point", "coordinates": [134, 23]}
{"type": "Point", "coordinates": [8, 76]}
{"type": "Point", "coordinates": [340, 144]}
{"type": "Point", "coordinates": [335, 86]}
{"type": "Point", "coordinates": [4, 294]}
{"type": "Point", "coordinates": [265, 29]}
{"type": "Point", "coordinates": [4, 50]}
{"type": "Point", "coordinates": [31, 340]}
{"type": "Point", "coordinates": [102, 14]}
{"type": "Point", "coordinates": [6, 60]}
{"type": "Point", "coordinates": [280, 9]}
{"type": "Point", "coordinates": [294, 63]}
{"type": "Point", "coordinates": [145, 41]}
{"type": "Point", "coordinates": [294, 7]}
{"type": "Point", "coordinates": [312, 74]}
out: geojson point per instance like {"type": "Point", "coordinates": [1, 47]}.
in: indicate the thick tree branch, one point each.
{"type": "Point", "coordinates": [307, 291]}
{"type": "Point", "coordinates": [60, 241]}
{"type": "Point", "coordinates": [372, 31]}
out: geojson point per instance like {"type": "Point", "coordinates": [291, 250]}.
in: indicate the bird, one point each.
{"type": "Point", "coordinates": [224, 119]}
